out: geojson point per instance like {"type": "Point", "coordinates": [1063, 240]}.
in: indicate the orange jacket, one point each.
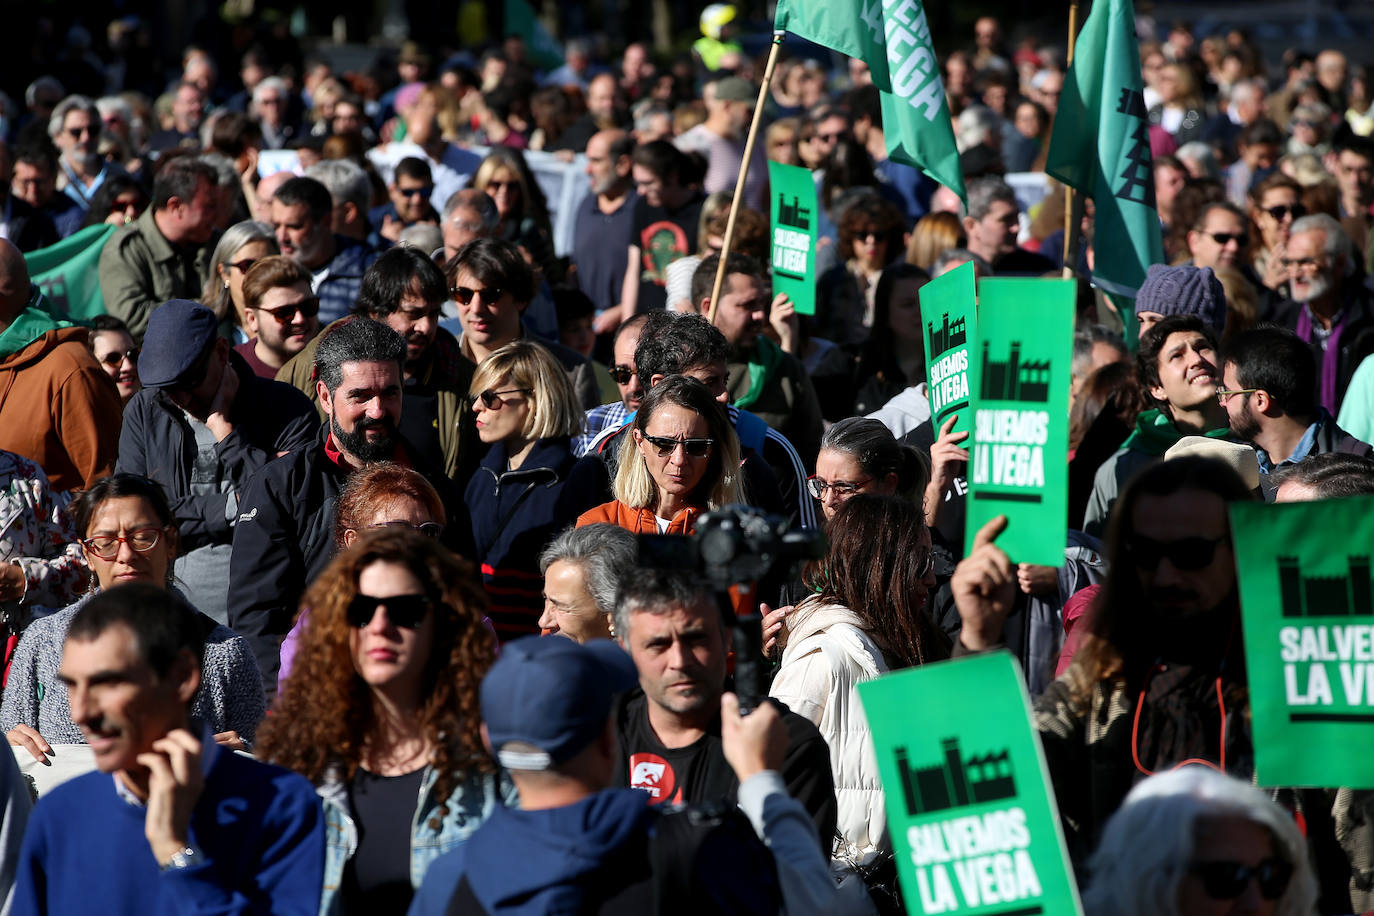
{"type": "Point", "coordinates": [638, 521]}
{"type": "Point", "coordinates": [59, 409]}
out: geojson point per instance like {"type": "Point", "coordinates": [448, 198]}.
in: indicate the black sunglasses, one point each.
{"type": "Point", "coordinates": [493, 399]}
{"type": "Point", "coordinates": [622, 374]}
{"type": "Point", "coordinates": [1187, 554]}
{"type": "Point", "coordinates": [464, 294]}
{"type": "Point", "coordinates": [1226, 238]}
{"type": "Point", "coordinates": [115, 357]}
{"type": "Point", "coordinates": [415, 192]}
{"type": "Point", "coordinates": [308, 307]}
{"type": "Point", "coordinates": [1228, 880]}
{"type": "Point", "coordinates": [405, 611]}
{"type": "Point", "coordinates": [242, 266]}
{"type": "Point", "coordinates": [694, 448]}
{"type": "Point", "coordinates": [1282, 210]}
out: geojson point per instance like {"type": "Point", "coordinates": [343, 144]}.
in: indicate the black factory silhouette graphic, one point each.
{"type": "Point", "coordinates": [946, 337]}
{"type": "Point", "coordinates": [1325, 596]}
{"type": "Point", "coordinates": [1015, 380]}
{"type": "Point", "coordinates": [955, 781]}
{"type": "Point", "coordinates": [793, 214]}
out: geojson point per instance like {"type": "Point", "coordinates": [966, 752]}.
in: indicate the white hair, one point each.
{"type": "Point", "coordinates": [345, 180]}
{"type": "Point", "coordinates": [273, 83]}
{"type": "Point", "coordinates": [1148, 844]}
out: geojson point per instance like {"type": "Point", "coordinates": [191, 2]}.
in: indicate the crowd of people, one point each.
{"type": "Point", "coordinates": [320, 568]}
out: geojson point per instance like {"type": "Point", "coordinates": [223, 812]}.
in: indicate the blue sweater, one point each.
{"type": "Point", "coordinates": [258, 829]}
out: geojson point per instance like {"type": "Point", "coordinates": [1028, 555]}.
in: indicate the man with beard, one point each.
{"type": "Point", "coordinates": [302, 218]}
{"type": "Point", "coordinates": [203, 424]}
{"type": "Point", "coordinates": [1167, 646]}
{"type": "Point", "coordinates": [281, 314]}
{"type": "Point", "coordinates": [1330, 309]}
{"type": "Point", "coordinates": [763, 378]}
{"type": "Point", "coordinates": [75, 129]}
{"type": "Point", "coordinates": [604, 225]}
{"type": "Point", "coordinates": [285, 531]}
{"type": "Point", "coordinates": [1270, 396]}
{"type": "Point", "coordinates": [405, 291]}
{"type": "Point", "coordinates": [1178, 367]}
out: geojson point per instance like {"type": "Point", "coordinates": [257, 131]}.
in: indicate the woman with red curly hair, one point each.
{"type": "Point", "coordinates": [381, 713]}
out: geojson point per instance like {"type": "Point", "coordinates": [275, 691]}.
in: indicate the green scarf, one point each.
{"type": "Point", "coordinates": [28, 326]}
{"type": "Point", "coordinates": [762, 363]}
{"type": "Point", "coordinates": [1155, 433]}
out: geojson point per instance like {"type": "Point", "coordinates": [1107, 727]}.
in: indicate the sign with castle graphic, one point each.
{"type": "Point", "coordinates": [1019, 458]}
{"type": "Point", "coordinates": [951, 318]}
{"type": "Point", "coordinates": [1307, 599]}
{"type": "Point", "coordinates": [967, 796]}
{"type": "Point", "coordinates": [793, 249]}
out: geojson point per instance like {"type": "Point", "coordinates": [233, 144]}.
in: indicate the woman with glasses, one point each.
{"type": "Point", "coordinates": [506, 178]}
{"type": "Point", "coordinates": [379, 496]}
{"type": "Point", "coordinates": [241, 245]}
{"type": "Point", "coordinates": [859, 455]}
{"type": "Point", "coordinates": [681, 459]}
{"type": "Point", "coordinates": [530, 485]}
{"type": "Point", "coordinates": [128, 534]}
{"type": "Point", "coordinates": [1274, 204]}
{"type": "Point", "coordinates": [867, 615]}
{"type": "Point", "coordinates": [1216, 845]}
{"type": "Point", "coordinates": [113, 347]}
{"type": "Point", "coordinates": [380, 713]}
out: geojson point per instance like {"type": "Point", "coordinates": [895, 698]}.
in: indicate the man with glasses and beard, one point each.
{"type": "Point", "coordinates": [284, 535]}
{"type": "Point", "coordinates": [281, 314]}
{"type": "Point", "coordinates": [1269, 380]}
{"type": "Point", "coordinates": [203, 424]}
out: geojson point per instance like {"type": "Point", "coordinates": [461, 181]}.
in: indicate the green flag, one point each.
{"type": "Point", "coordinates": [793, 249]}
{"type": "Point", "coordinates": [1307, 614]}
{"type": "Point", "coordinates": [68, 273]}
{"type": "Point", "coordinates": [970, 810]}
{"type": "Point", "coordinates": [544, 50]}
{"type": "Point", "coordinates": [892, 37]}
{"type": "Point", "coordinates": [1019, 466]}
{"type": "Point", "coordinates": [1101, 146]}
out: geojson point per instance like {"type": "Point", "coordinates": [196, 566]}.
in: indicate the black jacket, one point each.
{"type": "Point", "coordinates": [285, 538]}
{"type": "Point", "coordinates": [1357, 337]}
{"type": "Point", "coordinates": [157, 442]}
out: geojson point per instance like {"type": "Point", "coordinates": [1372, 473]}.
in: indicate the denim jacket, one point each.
{"type": "Point", "coordinates": [470, 803]}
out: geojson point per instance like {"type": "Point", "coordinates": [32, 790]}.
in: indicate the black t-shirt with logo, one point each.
{"type": "Point", "coordinates": [663, 236]}
{"type": "Point", "coordinates": [699, 773]}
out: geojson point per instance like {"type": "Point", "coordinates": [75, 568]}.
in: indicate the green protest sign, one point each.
{"type": "Point", "coordinates": [1019, 464]}
{"type": "Point", "coordinates": [68, 273]}
{"type": "Point", "coordinates": [1308, 621]}
{"type": "Point", "coordinates": [951, 317]}
{"type": "Point", "coordinates": [793, 256]}
{"type": "Point", "coordinates": [969, 806]}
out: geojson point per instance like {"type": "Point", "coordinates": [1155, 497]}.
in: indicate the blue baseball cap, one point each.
{"type": "Point", "coordinates": [179, 332]}
{"type": "Point", "coordinates": [553, 694]}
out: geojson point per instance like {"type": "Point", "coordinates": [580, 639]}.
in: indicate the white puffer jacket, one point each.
{"type": "Point", "coordinates": [826, 655]}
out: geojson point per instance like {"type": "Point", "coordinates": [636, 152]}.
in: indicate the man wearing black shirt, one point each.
{"type": "Point", "coordinates": [669, 727]}
{"type": "Point", "coordinates": [664, 227]}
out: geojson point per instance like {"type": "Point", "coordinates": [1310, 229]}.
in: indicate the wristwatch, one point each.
{"type": "Point", "coordinates": [182, 858]}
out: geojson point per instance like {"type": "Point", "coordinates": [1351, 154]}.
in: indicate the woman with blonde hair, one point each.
{"type": "Point", "coordinates": [681, 459]}
{"type": "Point", "coordinates": [530, 485]}
{"type": "Point", "coordinates": [934, 234]}
{"type": "Point", "coordinates": [506, 178]}
{"type": "Point", "coordinates": [381, 713]}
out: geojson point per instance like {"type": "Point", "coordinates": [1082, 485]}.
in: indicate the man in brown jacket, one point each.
{"type": "Point", "coordinates": [57, 406]}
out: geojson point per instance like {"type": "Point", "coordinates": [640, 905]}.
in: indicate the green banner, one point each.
{"type": "Point", "coordinates": [793, 256]}
{"type": "Point", "coordinates": [969, 806]}
{"type": "Point", "coordinates": [893, 38]}
{"type": "Point", "coordinates": [543, 49]}
{"type": "Point", "coordinates": [1101, 146]}
{"type": "Point", "coordinates": [1308, 619]}
{"type": "Point", "coordinates": [950, 313]}
{"type": "Point", "coordinates": [1019, 466]}
{"type": "Point", "coordinates": [68, 273]}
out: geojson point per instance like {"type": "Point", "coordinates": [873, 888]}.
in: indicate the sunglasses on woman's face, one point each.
{"type": "Point", "coordinates": [1280, 213]}
{"type": "Point", "coordinates": [405, 611]}
{"type": "Point", "coordinates": [493, 399]}
{"type": "Point", "coordinates": [115, 357]}
{"type": "Point", "coordinates": [693, 448]}
{"type": "Point", "coordinates": [1228, 880]}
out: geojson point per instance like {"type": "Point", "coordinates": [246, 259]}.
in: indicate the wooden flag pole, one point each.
{"type": "Point", "coordinates": [1070, 224]}
{"type": "Point", "coordinates": [743, 173]}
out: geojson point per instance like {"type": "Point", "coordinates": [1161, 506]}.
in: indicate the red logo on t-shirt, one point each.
{"type": "Point", "coordinates": [654, 775]}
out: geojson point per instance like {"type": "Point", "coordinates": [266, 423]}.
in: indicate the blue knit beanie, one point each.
{"type": "Point", "coordinates": [1183, 290]}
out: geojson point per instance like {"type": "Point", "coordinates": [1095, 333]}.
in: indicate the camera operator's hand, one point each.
{"type": "Point", "coordinates": [751, 743]}
{"type": "Point", "coordinates": [773, 623]}
{"type": "Point", "coordinates": [984, 587]}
